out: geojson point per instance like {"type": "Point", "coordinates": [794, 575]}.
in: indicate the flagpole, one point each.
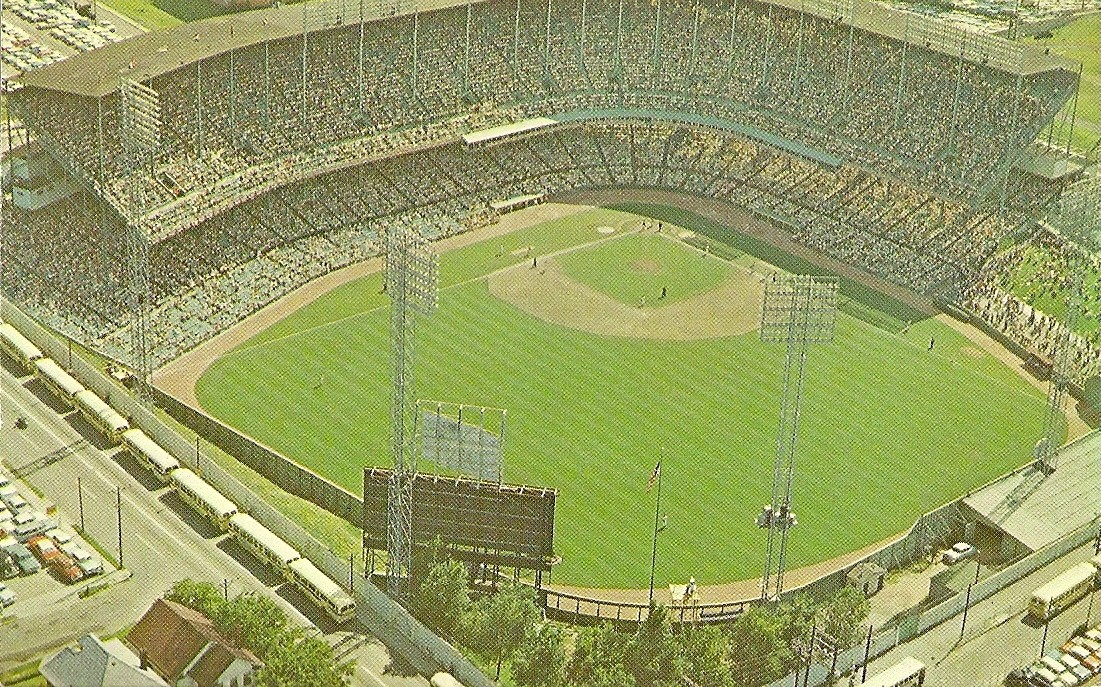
{"type": "Point", "coordinates": [654, 547]}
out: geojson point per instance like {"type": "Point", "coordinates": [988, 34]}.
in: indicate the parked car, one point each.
{"type": "Point", "coordinates": [66, 569]}
{"type": "Point", "coordinates": [24, 559]}
{"type": "Point", "coordinates": [59, 536]}
{"type": "Point", "coordinates": [7, 596]}
{"type": "Point", "coordinates": [43, 548]}
{"type": "Point", "coordinates": [34, 528]}
{"type": "Point", "coordinates": [960, 551]}
{"type": "Point", "coordinates": [88, 564]}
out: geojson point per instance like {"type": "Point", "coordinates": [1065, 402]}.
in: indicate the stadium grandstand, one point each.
{"type": "Point", "coordinates": [289, 138]}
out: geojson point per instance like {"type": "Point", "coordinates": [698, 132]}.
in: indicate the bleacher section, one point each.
{"type": "Point", "coordinates": [292, 137]}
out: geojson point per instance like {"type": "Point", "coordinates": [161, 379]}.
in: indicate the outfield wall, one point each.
{"type": "Point", "coordinates": [382, 616]}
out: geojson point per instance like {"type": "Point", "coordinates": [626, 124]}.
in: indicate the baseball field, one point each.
{"type": "Point", "coordinates": [564, 324]}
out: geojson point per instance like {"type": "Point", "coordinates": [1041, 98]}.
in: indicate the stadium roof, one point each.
{"type": "Point", "coordinates": [148, 55]}
{"type": "Point", "coordinates": [145, 56]}
{"type": "Point", "coordinates": [1064, 502]}
{"type": "Point", "coordinates": [508, 130]}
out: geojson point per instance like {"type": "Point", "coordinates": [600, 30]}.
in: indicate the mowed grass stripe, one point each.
{"type": "Point", "coordinates": [889, 429]}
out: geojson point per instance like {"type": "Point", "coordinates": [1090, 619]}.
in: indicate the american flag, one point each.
{"type": "Point", "coordinates": [654, 477]}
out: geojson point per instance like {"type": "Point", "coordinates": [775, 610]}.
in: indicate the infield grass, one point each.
{"type": "Point", "coordinates": [634, 269]}
{"type": "Point", "coordinates": [890, 429]}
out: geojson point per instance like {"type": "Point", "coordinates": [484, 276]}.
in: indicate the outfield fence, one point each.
{"type": "Point", "coordinates": [382, 616]}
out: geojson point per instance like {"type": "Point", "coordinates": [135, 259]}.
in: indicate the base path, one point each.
{"type": "Point", "coordinates": [178, 378]}
{"type": "Point", "coordinates": [734, 307]}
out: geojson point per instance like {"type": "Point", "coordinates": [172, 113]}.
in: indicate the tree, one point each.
{"type": "Point", "coordinates": [442, 597]}
{"type": "Point", "coordinates": [200, 596]}
{"type": "Point", "coordinates": [540, 661]}
{"type": "Point", "coordinates": [254, 621]}
{"type": "Point", "coordinates": [297, 660]}
{"type": "Point", "coordinates": [843, 617]}
{"type": "Point", "coordinates": [290, 658]}
{"type": "Point", "coordinates": [758, 653]}
{"type": "Point", "coordinates": [597, 659]}
{"type": "Point", "coordinates": [495, 626]}
{"type": "Point", "coordinates": [705, 649]}
{"type": "Point", "coordinates": [654, 657]}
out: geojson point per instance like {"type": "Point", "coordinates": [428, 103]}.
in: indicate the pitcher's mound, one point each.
{"type": "Point", "coordinates": [732, 308]}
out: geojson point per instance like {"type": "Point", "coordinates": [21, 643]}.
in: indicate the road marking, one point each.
{"type": "Point", "coordinates": [373, 676]}
{"type": "Point", "coordinates": [198, 547]}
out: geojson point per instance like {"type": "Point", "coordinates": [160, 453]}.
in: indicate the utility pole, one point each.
{"type": "Point", "coordinates": [80, 503]}
{"type": "Point", "coordinates": [118, 510]}
{"type": "Point", "coordinates": [966, 608]}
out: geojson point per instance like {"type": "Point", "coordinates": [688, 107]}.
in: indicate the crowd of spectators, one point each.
{"type": "Point", "coordinates": [895, 106]}
{"type": "Point", "coordinates": [1014, 280]}
{"type": "Point", "coordinates": [205, 278]}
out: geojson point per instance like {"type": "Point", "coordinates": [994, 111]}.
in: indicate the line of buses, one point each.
{"type": "Point", "coordinates": [205, 499]}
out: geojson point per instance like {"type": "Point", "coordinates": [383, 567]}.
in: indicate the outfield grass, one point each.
{"type": "Point", "coordinates": [889, 428]}
{"type": "Point", "coordinates": [163, 14]}
{"type": "Point", "coordinates": [634, 270]}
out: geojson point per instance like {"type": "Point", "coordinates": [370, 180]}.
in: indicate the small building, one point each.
{"type": "Point", "coordinates": [94, 663]}
{"type": "Point", "coordinates": [867, 577]}
{"type": "Point", "coordinates": [185, 649]}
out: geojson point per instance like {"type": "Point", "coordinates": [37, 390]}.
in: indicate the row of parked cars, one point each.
{"type": "Point", "coordinates": [22, 52]}
{"type": "Point", "coordinates": [30, 540]}
{"type": "Point", "coordinates": [1072, 664]}
{"type": "Point", "coordinates": [65, 24]}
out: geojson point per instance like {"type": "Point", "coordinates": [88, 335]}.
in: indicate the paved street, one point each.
{"type": "Point", "coordinates": [999, 639]}
{"type": "Point", "coordinates": [163, 541]}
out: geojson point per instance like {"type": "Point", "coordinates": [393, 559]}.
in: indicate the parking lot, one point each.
{"type": "Point", "coordinates": [36, 33]}
{"type": "Point", "coordinates": [41, 560]}
{"type": "Point", "coordinates": [163, 540]}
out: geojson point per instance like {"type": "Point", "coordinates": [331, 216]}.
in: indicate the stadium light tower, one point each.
{"type": "Point", "coordinates": [1077, 217]}
{"type": "Point", "coordinates": [411, 278]}
{"type": "Point", "coordinates": [140, 134]}
{"type": "Point", "coordinates": [799, 310]}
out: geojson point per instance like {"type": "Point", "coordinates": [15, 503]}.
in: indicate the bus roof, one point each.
{"type": "Point", "coordinates": [248, 524]}
{"type": "Point", "coordinates": [141, 441]}
{"type": "Point", "coordinates": [19, 342]}
{"type": "Point", "coordinates": [1065, 580]}
{"type": "Point", "coordinates": [51, 369]}
{"type": "Point", "coordinates": [207, 493]}
{"type": "Point", "coordinates": [96, 405]}
{"type": "Point", "coordinates": [896, 673]}
{"type": "Point", "coordinates": [309, 571]}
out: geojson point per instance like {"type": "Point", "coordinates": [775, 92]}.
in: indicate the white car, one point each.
{"type": "Point", "coordinates": [7, 596]}
{"type": "Point", "coordinates": [59, 536]}
{"type": "Point", "coordinates": [88, 564]}
{"type": "Point", "coordinates": [960, 551]}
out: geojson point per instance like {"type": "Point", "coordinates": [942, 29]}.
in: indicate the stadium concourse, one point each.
{"type": "Point", "coordinates": [290, 138]}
